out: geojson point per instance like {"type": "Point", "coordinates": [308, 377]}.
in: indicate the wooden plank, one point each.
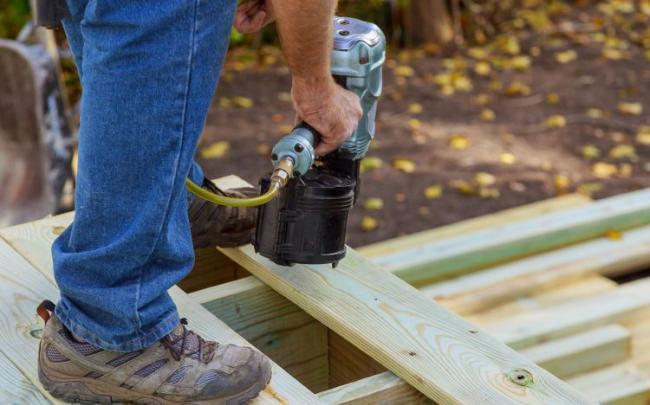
{"type": "Point", "coordinates": [544, 297]}
{"type": "Point", "coordinates": [582, 352]}
{"type": "Point", "coordinates": [34, 243]}
{"type": "Point", "coordinates": [495, 285]}
{"type": "Point", "coordinates": [21, 290]}
{"type": "Point", "coordinates": [452, 257]}
{"type": "Point", "coordinates": [437, 352]}
{"type": "Point", "coordinates": [381, 389]}
{"type": "Point", "coordinates": [275, 325]}
{"type": "Point", "coordinates": [388, 247]}
{"type": "Point", "coordinates": [617, 385]}
{"type": "Point", "coordinates": [538, 326]}
{"type": "Point", "coordinates": [347, 363]}
{"type": "Point", "coordinates": [16, 388]}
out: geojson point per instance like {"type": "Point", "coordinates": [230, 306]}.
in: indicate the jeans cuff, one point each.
{"type": "Point", "coordinates": [141, 342]}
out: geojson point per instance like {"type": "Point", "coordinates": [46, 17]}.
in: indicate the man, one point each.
{"type": "Point", "coordinates": [149, 69]}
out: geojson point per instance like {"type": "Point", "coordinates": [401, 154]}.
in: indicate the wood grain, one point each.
{"type": "Point", "coordinates": [582, 352]}
{"type": "Point", "coordinates": [434, 350]}
{"type": "Point", "coordinates": [538, 326]}
{"type": "Point", "coordinates": [495, 285]}
{"type": "Point", "coordinates": [381, 389]}
{"type": "Point", "coordinates": [452, 257]}
{"type": "Point", "coordinates": [616, 385]}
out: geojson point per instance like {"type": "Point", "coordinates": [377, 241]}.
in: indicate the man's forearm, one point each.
{"type": "Point", "coordinates": [305, 28]}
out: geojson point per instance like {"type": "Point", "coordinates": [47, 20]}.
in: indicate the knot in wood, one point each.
{"type": "Point", "coordinates": [521, 377]}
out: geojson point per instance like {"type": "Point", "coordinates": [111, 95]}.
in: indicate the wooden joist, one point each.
{"type": "Point", "coordinates": [437, 352]}
{"type": "Point", "coordinates": [616, 385]}
{"type": "Point", "coordinates": [468, 293]}
{"type": "Point", "coordinates": [442, 259]}
{"type": "Point", "coordinates": [582, 352]}
{"type": "Point", "coordinates": [538, 326]}
{"type": "Point", "coordinates": [24, 286]}
{"type": "Point", "coordinates": [467, 226]}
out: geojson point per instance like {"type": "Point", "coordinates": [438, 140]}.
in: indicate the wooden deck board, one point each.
{"type": "Point", "coordinates": [434, 350]}
{"type": "Point", "coordinates": [447, 258]}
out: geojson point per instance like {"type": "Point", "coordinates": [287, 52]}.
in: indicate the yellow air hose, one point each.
{"type": "Point", "coordinates": [279, 179]}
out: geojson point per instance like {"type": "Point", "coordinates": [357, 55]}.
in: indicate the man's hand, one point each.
{"type": "Point", "coordinates": [253, 15]}
{"type": "Point", "coordinates": [330, 109]}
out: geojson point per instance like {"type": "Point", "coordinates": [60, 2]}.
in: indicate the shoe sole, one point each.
{"type": "Point", "coordinates": [88, 391]}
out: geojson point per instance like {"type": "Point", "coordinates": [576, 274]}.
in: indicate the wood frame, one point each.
{"type": "Point", "coordinates": [253, 308]}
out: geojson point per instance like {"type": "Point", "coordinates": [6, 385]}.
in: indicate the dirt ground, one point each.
{"type": "Point", "coordinates": [570, 121]}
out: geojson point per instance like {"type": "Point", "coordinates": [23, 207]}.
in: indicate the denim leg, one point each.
{"type": "Point", "coordinates": [150, 69]}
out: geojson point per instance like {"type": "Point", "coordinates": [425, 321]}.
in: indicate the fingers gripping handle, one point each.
{"type": "Point", "coordinates": [299, 146]}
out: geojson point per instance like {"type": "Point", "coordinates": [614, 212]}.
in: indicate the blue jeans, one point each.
{"type": "Point", "coordinates": [148, 69]}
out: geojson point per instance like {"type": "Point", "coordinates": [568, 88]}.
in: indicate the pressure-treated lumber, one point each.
{"type": "Point", "coordinates": [274, 325]}
{"type": "Point", "coordinates": [543, 297]}
{"type": "Point", "coordinates": [437, 352]}
{"type": "Point", "coordinates": [33, 241]}
{"type": "Point", "coordinates": [16, 388]}
{"type": "Point", "coordinates": [453, 257]}
{"type": "Point", "coordinates": [21, 289]}
{"type": "Point", "coordinates": [488, 287]}
{"type": "Point", "coordinates": [524, 212]}
{"type": "Point", "coordinates": [616, 385]}
{"type": "Point", "coordinates": [538, 326]}
{"type": "Point", "coordinates": [582, 352]}
{"type": "Point", "coordinates": [385, 388]}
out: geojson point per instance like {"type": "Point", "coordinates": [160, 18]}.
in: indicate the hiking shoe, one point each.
{"type": "Point", "coordinates": [219, 225]}
{"type": "Point", "coordinates": [181, 368]}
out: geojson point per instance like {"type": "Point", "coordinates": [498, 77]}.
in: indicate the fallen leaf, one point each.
{"type": "Point", "coordinates": [614, 234]}
{"type": "Point", "coordinates": [373, 204]}
{"type": "Point", "coordinates": [643, 135]}
{"type": "Point", "coordinates": [552, 98]}
{"type": "Point", "coordinates": [623, 152]}
{"type": "Point", "coordinates": [215, 150]}
{"type": "Point", "coordinates": [561, 183]}
{"type": "Point", "coordinates": [242, 102]}
{"type": "Point", "coordinates": [566, 56]}
{"type": "Point", "coordinates": [630, 108]}
{"type": "Point", "coordinates": [518, 88]}
{"type": "Point", "coordinates": [462, 186]}
{"type": "Point", "coordinates": [368, 223]}
{"type": "Point", "coordinates": [415, 108]}
{"type": "Point", "coordinates": [404, 165]}
{"type": "Point", "coordinates": [371, 163]}
{"type": "Point", "coordinates": [484, 179]}
{"type": "Point", "coordinates": [509, 44]}
{"type": "Point", "coordinates": [612, 54]}
{"type": "Point", "coordinates": [489, 192]}
{"type": "Point", "coordinates": [482, 68]}
{"type": "Point", "coordinates": [404, 71]}
{"type": "Point", "coordinates": [507, 158]}
{"type": "Point", "coordinates": [595, 113]}
{"type": "Point", "coordinates": [433, 192]}
{"type": "Point", "coordinates": [487, 115]}
{"type": "Point", "coordinates": [625, 170]}
{"type": "Point", "coordinates": [58, 230]}
{"type": "Point", "coordinates": [414, 123]}
{"type": "Point", "coordinates": [263, 149]}
{"type": "Point", "coordinates": [603, 170]}
{"type": "Point", "coordinates": [482, 99]}
{"type": "Point", "coordinates": [285, 129]}
{"type": "Point", "coordinates": [521, 62]}
{"type": "Point", "coordinates": [588, 189]}
{"type": "Point", "coordinates": [555, 121]}
{"type": "Point", "coordinates": [224, 102]}
{"type": "Point", "coordinates": [459, 141]}
{"type": "Point", "coordinates": [590, 152]}
{"type": "Point", "coordinates": [477, 53]}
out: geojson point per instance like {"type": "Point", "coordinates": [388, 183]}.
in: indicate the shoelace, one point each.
{"type": "Point", "coordinates": [177, 353]}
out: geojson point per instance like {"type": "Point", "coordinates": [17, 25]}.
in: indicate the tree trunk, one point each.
{"type": "Point", "coordinates": [428, 21]}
